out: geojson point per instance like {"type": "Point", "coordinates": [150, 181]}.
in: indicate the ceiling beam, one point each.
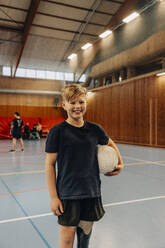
{"type": "Point", "coordinates": [95, 6]}
{"type": "Point", "coordinates": [69, 19]}
{"type": "Point", "coordinates": [76, 7]}
{"type": "Point", "coordinates": [9, 41]}
{"type": "Point", "coordinates": [11, 29]}
{"type": "Point", "coordinates": [63, 30]}
{"type": "Point", "coordinates": [11, 21]}
{"type": "Point", "coordinates": [114, 1]}
{"type": "Point", "coordinates": [28, 22]}
{"type": "Point", "coordinates": [12, 7]}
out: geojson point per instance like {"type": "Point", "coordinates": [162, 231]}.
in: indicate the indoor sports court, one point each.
{"type": "Point", "coordinates": [115, 49]}
{"type": "Point", "coordinates": [134, 200]}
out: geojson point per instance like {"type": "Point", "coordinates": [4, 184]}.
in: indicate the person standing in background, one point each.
{"type": "Point", "coordinates": [17, 125]}
{"type": "Point", "coordinates": [39, 129]}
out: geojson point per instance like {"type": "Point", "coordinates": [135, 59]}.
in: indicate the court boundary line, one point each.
{"type": "Point", "coordinates": [24, 191]}
{"type": "Point", "coordinates": [105, 205]}
{"type": "Point", "coordinates": [25, 213]}
{"type": "Point", "coordinates": [143, 162]}
{"type": "Point", "coordinates": [22, 172]}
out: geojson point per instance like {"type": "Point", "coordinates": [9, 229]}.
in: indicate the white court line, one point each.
{"type": "Point", "coordinates": [43, 171]}
{"type": "Point", "coordinates": [105, 205]}
{"type": "Point", "coordinates": [136, 163]}
{"type": "Point", "coordinates": [136, 159]}
{"type": "Point", "coordinates": [25, 218]}
{"type": "Point", "coordinates": [22, 172]}
{"type": "Point", "coordinates": [133, 201]}
{"type": "Point", "coordinates": [144, 161]}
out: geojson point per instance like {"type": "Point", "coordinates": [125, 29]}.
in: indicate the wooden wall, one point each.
{"type": "Point", "coordinates": [30, 105]}
{"type": "Point", "coordinates": [31, 111]}
{"type": "Point", "coordinates": [30, 83]}
{"type": "Point", "coordinates": [132, 111]}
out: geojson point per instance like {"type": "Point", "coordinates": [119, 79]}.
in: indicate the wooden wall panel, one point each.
{"type": "Point", "coordinates": [30, 83]}
{"type": "Point", "coordinates": [132, 111]}
{"type": "Point", "coordinates": [31, 111]}
{"type": "Point", "coordinates": [26, 100]}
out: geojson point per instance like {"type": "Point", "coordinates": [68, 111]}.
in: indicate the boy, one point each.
{"type": "Point", "coordinates": [17, 125]}
{"type": "Point", "coordinates": [75, 195]}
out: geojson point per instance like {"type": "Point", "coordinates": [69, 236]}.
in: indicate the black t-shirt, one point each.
{"type": "Point", "coordinates": [78, 173]}
{"type": "Point", "coordinates": [17, 125]}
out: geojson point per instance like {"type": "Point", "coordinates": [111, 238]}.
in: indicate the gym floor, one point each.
{"type": "Point", "coordinates": [134, 201]}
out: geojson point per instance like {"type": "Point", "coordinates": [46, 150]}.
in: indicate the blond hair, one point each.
{"type": "Point", "coordinates": [71, 91]}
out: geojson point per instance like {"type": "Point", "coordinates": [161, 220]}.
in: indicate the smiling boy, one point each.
{"type": "Point", "coordinates": [75, 194]}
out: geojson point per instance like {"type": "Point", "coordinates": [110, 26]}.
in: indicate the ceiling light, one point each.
{"type": "Point", "coordinates": [130, 17]}
{"type": "Point", "coordinates": [72, 56]}
{"type": "Point", "coordinates": [160, 74]}
{"type": "Point", "coordinates": [86, 46]}
{"type": "Point", "coordinates": [89, 93]}
{"type": "Point", "coordinates": [105, 34]}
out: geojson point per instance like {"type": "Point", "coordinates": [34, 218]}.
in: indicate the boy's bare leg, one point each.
{"type": "Point", "coordinates": [67, 234]}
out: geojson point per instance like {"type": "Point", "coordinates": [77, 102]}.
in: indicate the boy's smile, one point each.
{"type": "Point", "coordinates": [76, 108]}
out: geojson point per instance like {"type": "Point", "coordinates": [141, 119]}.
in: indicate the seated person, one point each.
{"type": "Point", "coordinates": [39, 129]}
{"type": "Point", "coordinates": [26, 134]}
{"type": "Point", "coordinates": [34, 133]}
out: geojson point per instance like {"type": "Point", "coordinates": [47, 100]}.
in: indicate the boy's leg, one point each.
{"type": "Point", "coordinates": [67, 234]}
{"type": "Point", "coordinates": [84, 231]}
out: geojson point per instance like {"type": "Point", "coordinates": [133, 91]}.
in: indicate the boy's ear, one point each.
{"type": "Point", "coordinates": [63, 105]}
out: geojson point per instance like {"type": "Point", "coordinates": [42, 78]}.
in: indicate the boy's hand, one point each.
{"type": "Point", "coordinates": [116, 171]}
{"type": "Point", "coordinates": [56, 206]}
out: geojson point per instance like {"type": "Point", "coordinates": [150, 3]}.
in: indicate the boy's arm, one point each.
{"type": "Point", "coordinates": [56, 204]}
{"type": "Point", "coordinates": [120, 165]}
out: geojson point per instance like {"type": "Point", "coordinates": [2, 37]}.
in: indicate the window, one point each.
{"type": "Point", "coordinates": [21, 72]}
{"type": "Point", "coordinates": [59, 76]}
{"type": "Point", "coordinates": [40, 74]}
{"type": "Point", "coordinates": [82, 78]}
{"type": "Point", "coordinates": [69, 77]}
{"type": "Point", "coordinates": [6, 71]}
{"type": "Point", "coordinates": [50, 74]}
{"type": "Point", "coordinates": [30, 73]}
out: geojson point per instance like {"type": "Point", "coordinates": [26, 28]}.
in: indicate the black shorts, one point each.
{"type": "Point", "coordinates": [90, 209]}
{"type": "Point", "coordinates": [17, 135]}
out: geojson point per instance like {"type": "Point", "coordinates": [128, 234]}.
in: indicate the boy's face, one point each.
{"type": "Point", "coordinates": [76, 107]}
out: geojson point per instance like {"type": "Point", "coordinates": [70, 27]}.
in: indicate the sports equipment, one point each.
{"type": "Point", "coordinates": [107, 158]}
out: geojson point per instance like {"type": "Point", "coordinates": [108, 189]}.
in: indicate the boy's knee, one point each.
{"type": "Point", "coordinates": [67, 235]}
{"type": "Point", "coordinates": [68, 241]}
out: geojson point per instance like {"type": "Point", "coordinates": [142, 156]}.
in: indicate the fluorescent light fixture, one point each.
{"type": "Point", "coordinates": [105, 34]}
{"type": "Point", "coordinates": [160, 74]}
{"type": "Point", "coordinates": [72, 56]}
{"type": "Point", "coordinates": [86, 46]}
{"type": "Point", "coordinates": [130, 17]}
{"type": "Point", "coordinates": [89, 93]}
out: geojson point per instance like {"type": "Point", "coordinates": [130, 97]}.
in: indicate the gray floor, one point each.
{"type": "Point", "coordinates": [134, 200]}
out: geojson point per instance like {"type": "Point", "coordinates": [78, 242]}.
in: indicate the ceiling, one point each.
{"type": "Point", "coordinates": [41, 34]}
